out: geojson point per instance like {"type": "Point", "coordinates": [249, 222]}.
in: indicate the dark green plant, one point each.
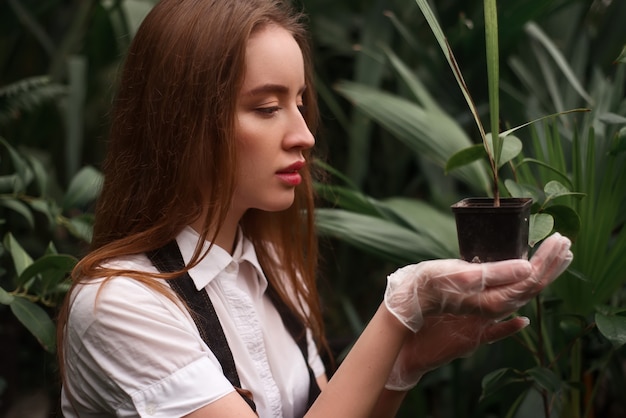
{"type": "Point", "coordinates": [56, 61]}
{"type": "Point", "coordinates": [36, 280]}
{"type": "Point", "coordinates": [577, 340]}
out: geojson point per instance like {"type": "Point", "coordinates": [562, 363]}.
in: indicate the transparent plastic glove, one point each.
{"type": "Point", "coordinates": [442, 339]}
{"type": "Point", "coordinates": [550, 261]}
{"type": "Point", "coordinates": [493, 290]}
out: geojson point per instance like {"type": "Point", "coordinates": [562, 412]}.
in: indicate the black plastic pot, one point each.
{"type": "Point", "coordinates": [488, 233]}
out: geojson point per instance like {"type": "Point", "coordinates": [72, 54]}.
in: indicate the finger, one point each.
{"type": "Point", "coordinates": [493, 307]}
{"type": "Point", "coordinates": [466, 276]}
{"type": "Point", "coordinates": [454, 277]}
{"type": "Point", "coordinates": [551, 259]}
{"type": "Point", "coordinates": [500, 330]}
{"type": "Point", "coordinates": [499, 302]}
{"type": "Point", "coordinates": [501, 273]}
{"type": "Point", "coordinates": [550, 253]}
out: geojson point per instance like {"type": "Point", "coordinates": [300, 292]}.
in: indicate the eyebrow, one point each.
{"type": "Point", "coordinates": [271, 88]}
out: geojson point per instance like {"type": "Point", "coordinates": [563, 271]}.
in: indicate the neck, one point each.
{"type": "Point", "coordinates": [225, 238]}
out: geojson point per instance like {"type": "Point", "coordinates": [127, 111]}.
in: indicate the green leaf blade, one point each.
{"type": "Point", "coordinates": [21, 259]}
{"type": "Point", "coordinates": [83, 189]}
{"type": "Point", "coordinates": [36, 320]}
{"type": "Point", "coordinates": [5, 297]}
{"type": "Point", "coordinates": [49, 265]}
{"type": "Point", "coordinates": [613, 327]}
{"type": "Point", "coordinates": [541, 224]}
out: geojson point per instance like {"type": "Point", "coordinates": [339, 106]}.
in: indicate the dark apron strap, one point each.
{"type": "Point", "coordinates": [168, 259]}
{"type": "Point", "coordinates": [298, 333]}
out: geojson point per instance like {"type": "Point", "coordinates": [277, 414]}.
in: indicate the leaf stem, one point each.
{"type": "Point", "coordinates": [493, 82]}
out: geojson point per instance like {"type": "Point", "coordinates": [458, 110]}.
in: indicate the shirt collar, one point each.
{"type": "Point", "coordinates": [217, 259]}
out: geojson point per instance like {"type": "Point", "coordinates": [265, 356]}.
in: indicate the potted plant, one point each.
{"type": "Point", "coordinates": [489, 228]}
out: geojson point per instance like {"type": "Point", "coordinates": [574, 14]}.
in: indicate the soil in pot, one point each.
{"type": "Point", "coordinates": [488, 233]}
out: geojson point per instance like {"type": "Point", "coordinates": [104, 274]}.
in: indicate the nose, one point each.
{"type": "Point", "coordinates": [298, 134]}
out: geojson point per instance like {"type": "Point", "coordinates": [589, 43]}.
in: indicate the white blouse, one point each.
{"type": "Point", "coordinates": [130, 351]}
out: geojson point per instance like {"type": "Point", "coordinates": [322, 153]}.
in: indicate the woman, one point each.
{"type": "Point", "coordinates": [204, 232]}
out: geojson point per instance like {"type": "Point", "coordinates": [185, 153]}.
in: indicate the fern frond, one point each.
{"type": "Point", "coordinates": [26, 94]}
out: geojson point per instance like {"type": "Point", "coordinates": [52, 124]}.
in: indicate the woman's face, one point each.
{"type": "Point", "coordinates": [271, 131]}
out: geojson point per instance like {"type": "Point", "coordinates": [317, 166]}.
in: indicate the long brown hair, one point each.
{"type": "Point", "coordinates": [172, 149]}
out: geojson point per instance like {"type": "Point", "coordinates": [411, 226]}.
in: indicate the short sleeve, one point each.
{"type": "Point", "coordinates": [132, 351]}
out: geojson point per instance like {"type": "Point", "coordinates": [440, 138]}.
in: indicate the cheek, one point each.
{"type": "Point", "coordinates": [249, 157]}
{"type": "Point", "coordinates": [255, 149]}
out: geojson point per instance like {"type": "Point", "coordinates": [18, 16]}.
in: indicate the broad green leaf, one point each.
{"type": "Point", "coordinates": [51, 249]}
{"type": "Point", "coordinates": [425, 219]}
{"type": "Point", "coordinates": [335, 173]}
{"type": "Point", "coordinates": [5, 297]}
{"type": "Point", "coordinates": [465, 157]}
{"type": "Point", "coordinates": [376, 236]}
{"type": "Point", "coordinates": [613, 328]}
{"type": "Point", "coordinates": [612, 118]}
{"type": "Point", "coordinates": [21, 259]}
{"type": "Point", "coordinates": [84, 188]}
{"type": "Point", "coordinates": [496, 380]}
{"type": "Point", "coordinates": [430, 134]}
{"type": "Point", "coordinates": [18, 207]}
{"type": "Point", "coordinates": [510, 148]}
{"type": "Point", "coordinates": [56, 265]}
{"type": "Point", "coordinates": [24, 175]}
{"type": "Point", "coordinates": [81, 227]}
{"type": "Point", "coordinates": [546, 379]}
{"type": "Point", "coordinates": [40, 175]}
{"type": "Point", "coordinates": [554, 189]}
{"type": "Point", "coordinates": [36, 320]}
{"type": "Point", "coordinates": [8, 182]}
{"type": "Point", "coordinates": [348, 199]}
{"type": "Point", "coordinates": [46, 207]}
{"type": "Point", "coordinates": [566, 220]}
{"type": "Point", "coordinates": [523, 190]}
{"type": "Point", "coordinates": [540, 226]}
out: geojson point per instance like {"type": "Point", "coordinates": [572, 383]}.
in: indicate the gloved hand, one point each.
{"type": "Point", "coordinates": [477, 295]}
{"type": "Point", "coordinates": [493, 290]}
{"type": "Point", "coordinates": [442, 339]}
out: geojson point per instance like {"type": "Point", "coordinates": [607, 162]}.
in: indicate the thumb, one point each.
{"type": "Point", "coordinates": [551, 259]}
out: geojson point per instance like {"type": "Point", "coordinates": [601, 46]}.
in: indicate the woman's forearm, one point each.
{"type": "Point", "coordinates": [388, 404]}
{"type": "Point", "coordinates": [357, 386]}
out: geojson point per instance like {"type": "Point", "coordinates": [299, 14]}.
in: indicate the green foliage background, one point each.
{"type": "Point", "coordinates": [392, 117]}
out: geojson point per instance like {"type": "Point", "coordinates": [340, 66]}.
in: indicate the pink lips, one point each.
{"type": "Point", "coordinates": [290, 175]}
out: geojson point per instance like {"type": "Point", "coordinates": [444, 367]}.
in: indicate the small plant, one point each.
{"type": "Point", "coordinates": [569, 363]}
{"type": "Point", "coordinates": [497, 151]}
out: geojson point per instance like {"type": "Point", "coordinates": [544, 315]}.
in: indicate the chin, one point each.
{"type": "Point", "coordinates": [278, 207]}
{"type": "Point", "coordinates": [278, 204]}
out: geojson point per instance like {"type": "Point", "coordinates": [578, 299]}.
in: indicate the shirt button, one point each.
{"type": "Point", "coordinates": [150, 409]}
